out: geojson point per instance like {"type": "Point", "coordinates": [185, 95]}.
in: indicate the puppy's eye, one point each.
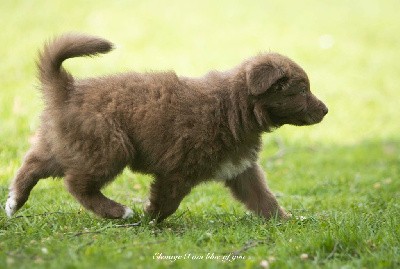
{"type": "Point", "coordinates": [303, 92]}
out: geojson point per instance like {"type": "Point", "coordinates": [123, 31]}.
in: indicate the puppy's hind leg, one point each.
{"type": "Point", "coordinates": [37, 164]}
{"type": "Point", "coordinates": [86, 189]}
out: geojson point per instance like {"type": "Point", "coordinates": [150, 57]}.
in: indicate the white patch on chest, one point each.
{"type": "Point", "coordinates": [228, 170]}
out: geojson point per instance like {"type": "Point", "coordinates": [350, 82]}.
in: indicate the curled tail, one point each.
{"type": "Point", "coordinates": [55, 80]}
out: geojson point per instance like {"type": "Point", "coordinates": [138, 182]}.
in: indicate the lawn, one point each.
{"type": "Point", "coordinates": [339, 179]}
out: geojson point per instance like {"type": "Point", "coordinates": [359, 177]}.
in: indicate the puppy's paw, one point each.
{"type": "Point", "coordinates": [286, 216]}
{"type": "Point", "coordinates": [11, 204]}
{"type": "Point", "coordinates": [128, 213]}
{"type": "Point", "coordinates": [148, 208]}
{"type": "Point", "coordinates": [283, 215]}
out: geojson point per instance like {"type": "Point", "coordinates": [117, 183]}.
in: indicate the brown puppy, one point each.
{"type": "Point", "coordinates": [183, 131]}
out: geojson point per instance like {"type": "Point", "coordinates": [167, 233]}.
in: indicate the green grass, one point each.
{"type": "Point", "coordinates": [340, 179]}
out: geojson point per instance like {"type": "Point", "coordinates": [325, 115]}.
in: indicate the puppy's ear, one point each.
{"type": "Point", "coordinates": [262, 76]}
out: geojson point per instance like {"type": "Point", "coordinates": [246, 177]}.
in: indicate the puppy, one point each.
{"type": "Point", "coordinates": [181, 130]}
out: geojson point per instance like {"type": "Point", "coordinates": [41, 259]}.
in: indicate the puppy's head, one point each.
{"type": "Point", "coordinates": [281, 92]}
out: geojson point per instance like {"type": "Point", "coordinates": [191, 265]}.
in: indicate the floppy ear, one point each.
{"type": "Point", "coordinates": [261, 77]}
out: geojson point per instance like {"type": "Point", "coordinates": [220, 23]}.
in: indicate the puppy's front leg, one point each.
{"type": "Point", "coordinates": [250, 188]}
{"type": "Point", "coordinates": [166, 195]}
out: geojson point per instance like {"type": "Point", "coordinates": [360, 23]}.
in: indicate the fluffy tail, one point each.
{"type": "Point", "coordinates": [55, 80]}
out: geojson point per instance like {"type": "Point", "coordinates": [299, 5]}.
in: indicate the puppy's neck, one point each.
{"type": "Point", "coordinates": [238, 108]}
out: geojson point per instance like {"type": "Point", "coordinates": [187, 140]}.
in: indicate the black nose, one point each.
{"type": "Point", "coordinates": [325, 110]}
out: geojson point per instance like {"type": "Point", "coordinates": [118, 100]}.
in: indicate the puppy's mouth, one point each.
{"type": "Point", "coordinates": [297, 120]}
{"type": "Point", "coordinates": [314, 116]}
{"type": "Point", "coordinates": [310, 119]}
{"type": "Point", "coordinates": [301, 116]}
{"type": "Point", "coordinates": [302, 122]}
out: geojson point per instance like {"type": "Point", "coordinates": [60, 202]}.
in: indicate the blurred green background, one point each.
{"type": "Point", "coordinates": [350, 50]}
{"type": "Point", "coordinates": [342, 174]}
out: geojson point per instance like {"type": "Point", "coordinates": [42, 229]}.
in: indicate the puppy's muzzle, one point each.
{"type": "Point", "coordinates": [323, 108]}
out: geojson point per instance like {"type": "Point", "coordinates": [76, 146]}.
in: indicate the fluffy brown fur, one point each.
{"type": "Point", "coordinates": [181, 130]}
